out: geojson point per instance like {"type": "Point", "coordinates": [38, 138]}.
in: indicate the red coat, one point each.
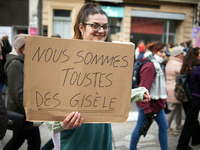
{"type": "Point", "coordinates": [147, 75]}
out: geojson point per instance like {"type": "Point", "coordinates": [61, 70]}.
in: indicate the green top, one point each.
{"type": "Point", "coordinates": [89, 136]}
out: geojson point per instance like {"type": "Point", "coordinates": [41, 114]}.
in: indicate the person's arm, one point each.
{"type": "Point", "coordinates": [72, 121]}
{"type": "Point", "coordinates": [15, 82]}
{"type": "Point", "coordinates": [140, 93]}
{"type": "Point", "coordinates": [147, 75]}
{"type": "Point", "coordinates": [54, 127]}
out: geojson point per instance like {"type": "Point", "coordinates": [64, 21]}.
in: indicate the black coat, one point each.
{"type": "Point", "coordinates": [3, 118]}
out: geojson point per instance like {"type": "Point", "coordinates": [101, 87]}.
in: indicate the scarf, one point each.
{"type": "Point", "coordinates": [158, 87]}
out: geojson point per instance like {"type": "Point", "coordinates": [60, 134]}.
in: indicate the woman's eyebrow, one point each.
{"type": "Point", "coordinates": [99, 24]}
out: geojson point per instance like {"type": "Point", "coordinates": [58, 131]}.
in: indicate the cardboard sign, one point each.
{"type": "Point", "coordinates": [65, 75]}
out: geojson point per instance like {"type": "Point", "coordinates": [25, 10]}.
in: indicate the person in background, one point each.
{"type": "Point", "coordinates": [2, 74]}
{"type": "Point", "coordinates": [191, 128]}
{"type": "Point", "coordinates": [6, 49]}
{"type": "Point", "coordinates": [3, 112]}
{"type": "Point", "coordinates": [183, 45]}
{"type": "Point", "coordinates": [142, 49]}
{"type": "Point", "coordinates": [91, 24]}
{"type": "Point", "coordinates": [3, 119]}
{"type": "Point", "coordinates": [14, 71]}
{"type": "Point", "coordinates": [141, 42]}
{"type": "Point", "coordinates": [153, 79]}
{"type": "Point", "coordinates": [56, 36]}
{"type": "Point", "coordinates": [169, 45]}
{"type": "Point", "coordinates": [188, 43]}
{"type": "Point", "coordinates": [172, 69]}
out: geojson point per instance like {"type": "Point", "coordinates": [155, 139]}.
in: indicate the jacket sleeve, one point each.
{"type": "Point", "coordinates": [137, 94]}
{"type": "Point", "coordinates": [3, 118]}
{"type": "Point", "coordinates": [54, 127]}
{"type": "Point", "coordinates": [15, 77]}
{"type": "Point", "coordinates": [147, 75]}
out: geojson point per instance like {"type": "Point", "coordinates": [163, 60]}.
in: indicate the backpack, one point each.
{"type": "Point", "coordinates": [136, 74]}
{"type": "Point", "coordinates": [182, 91]}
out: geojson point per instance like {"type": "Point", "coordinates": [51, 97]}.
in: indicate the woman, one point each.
{"type": "Point", "coordinates": [191, 67]}
{"type": "Point", "coordinates": [172, 69]}
{"type": "Point", "coordinates": [91, 24]}
{"type": "Point", "coordinates": [152, 78]}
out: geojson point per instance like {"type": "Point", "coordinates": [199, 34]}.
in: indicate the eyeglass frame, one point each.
{"type": "Point", "coordinates": [92, 24]}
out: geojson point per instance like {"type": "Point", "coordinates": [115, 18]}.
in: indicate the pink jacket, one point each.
{"type": "Point", "coordinates": [173, 68]}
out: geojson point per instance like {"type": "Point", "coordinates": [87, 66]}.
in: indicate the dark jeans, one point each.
{"type": "Point", "coordinates": [32, 136]}
{"type": "Point", "coordinates": [191, 128]}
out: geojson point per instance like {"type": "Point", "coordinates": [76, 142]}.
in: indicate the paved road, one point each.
{"type": "Point", "coordinates": [121, 135]}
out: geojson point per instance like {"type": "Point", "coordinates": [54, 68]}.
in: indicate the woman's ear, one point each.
{"type": "Point", "coordinates": [81, 28]}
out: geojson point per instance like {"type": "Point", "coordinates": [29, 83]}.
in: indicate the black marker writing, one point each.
{"type": "Point", "coordinates": [95, 79]}
{"type": "Point", "coordinates": [50, 55]}
{"type": "Point", "coordinates": [47, 99]}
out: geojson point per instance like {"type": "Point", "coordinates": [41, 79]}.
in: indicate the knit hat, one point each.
{"type": "Point", "coordinates": [176, 51]}
{"type": "Point", "coordinates": [19, 41]}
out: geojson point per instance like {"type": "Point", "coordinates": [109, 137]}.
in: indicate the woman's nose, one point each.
{"type": "Point", "coordinates": [101, 30]}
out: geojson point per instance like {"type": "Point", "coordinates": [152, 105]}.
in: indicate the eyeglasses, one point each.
{"type": "Point", "coordinates": [96, 27]}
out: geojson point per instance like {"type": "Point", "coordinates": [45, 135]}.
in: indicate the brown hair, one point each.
{"type": "Point", "coordinates": [154, 47]}
{"type": "Point", "coordinates": [85, 11]}
{"type": "Point", "coordinates": [190, 60]}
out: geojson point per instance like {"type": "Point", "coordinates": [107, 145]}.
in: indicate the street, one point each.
{"type": "Point", "coordinates": [121, 135]}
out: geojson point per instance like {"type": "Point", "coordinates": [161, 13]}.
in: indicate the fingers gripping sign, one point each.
{"type": "Point", "coordinates": [72, 121]}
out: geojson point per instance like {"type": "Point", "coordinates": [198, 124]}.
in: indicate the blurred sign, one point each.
{"type": "Point", "coordinates": [33, 31]}
{"type": "Point", "coordinates": [115, 12]}
{"type": "Point", "coordinates": [195, 32]}
{"type": "Point", "coordinates": [6, 30]}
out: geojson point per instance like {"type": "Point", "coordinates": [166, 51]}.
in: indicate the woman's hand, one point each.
{"type": "Point", "coordinates": [72, 121]}
{"type": "Point", "coordinates": [146, 97]}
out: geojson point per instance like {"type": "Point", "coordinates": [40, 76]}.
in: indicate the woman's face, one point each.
{"type": "Point", "coordinates": [89, 34]}
{"type": "Point", "coordinates": [162, 52]}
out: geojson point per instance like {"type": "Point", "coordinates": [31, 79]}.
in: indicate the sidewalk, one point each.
{"type": "Point", "coordinates": [121, 135]}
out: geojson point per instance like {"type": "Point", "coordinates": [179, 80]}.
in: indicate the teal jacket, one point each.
{"type": "Point", "coordinates": [88, 136]}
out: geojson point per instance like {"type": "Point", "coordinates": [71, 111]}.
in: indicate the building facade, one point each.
{"type": "Point", "coordinates": [58, 17]}
{"type": "Point", "coordinates": [170, 21]}
{"type": "Point", "coordinates": [14, 18]}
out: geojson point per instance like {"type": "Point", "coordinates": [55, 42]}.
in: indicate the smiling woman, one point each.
{"type": "Point", "coordinates": [91, 24]}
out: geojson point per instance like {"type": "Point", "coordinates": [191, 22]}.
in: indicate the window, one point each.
{"type": "Point", "coordinates": [115, 24]}
{"type": "Point", "coordinates": [62, 23]}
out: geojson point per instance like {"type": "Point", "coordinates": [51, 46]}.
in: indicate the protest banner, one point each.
{"type": "Point", "coordinates": [65, 75]}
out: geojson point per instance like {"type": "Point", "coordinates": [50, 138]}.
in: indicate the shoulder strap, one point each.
{"type": "Point", "coordinates": [138, 74]}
